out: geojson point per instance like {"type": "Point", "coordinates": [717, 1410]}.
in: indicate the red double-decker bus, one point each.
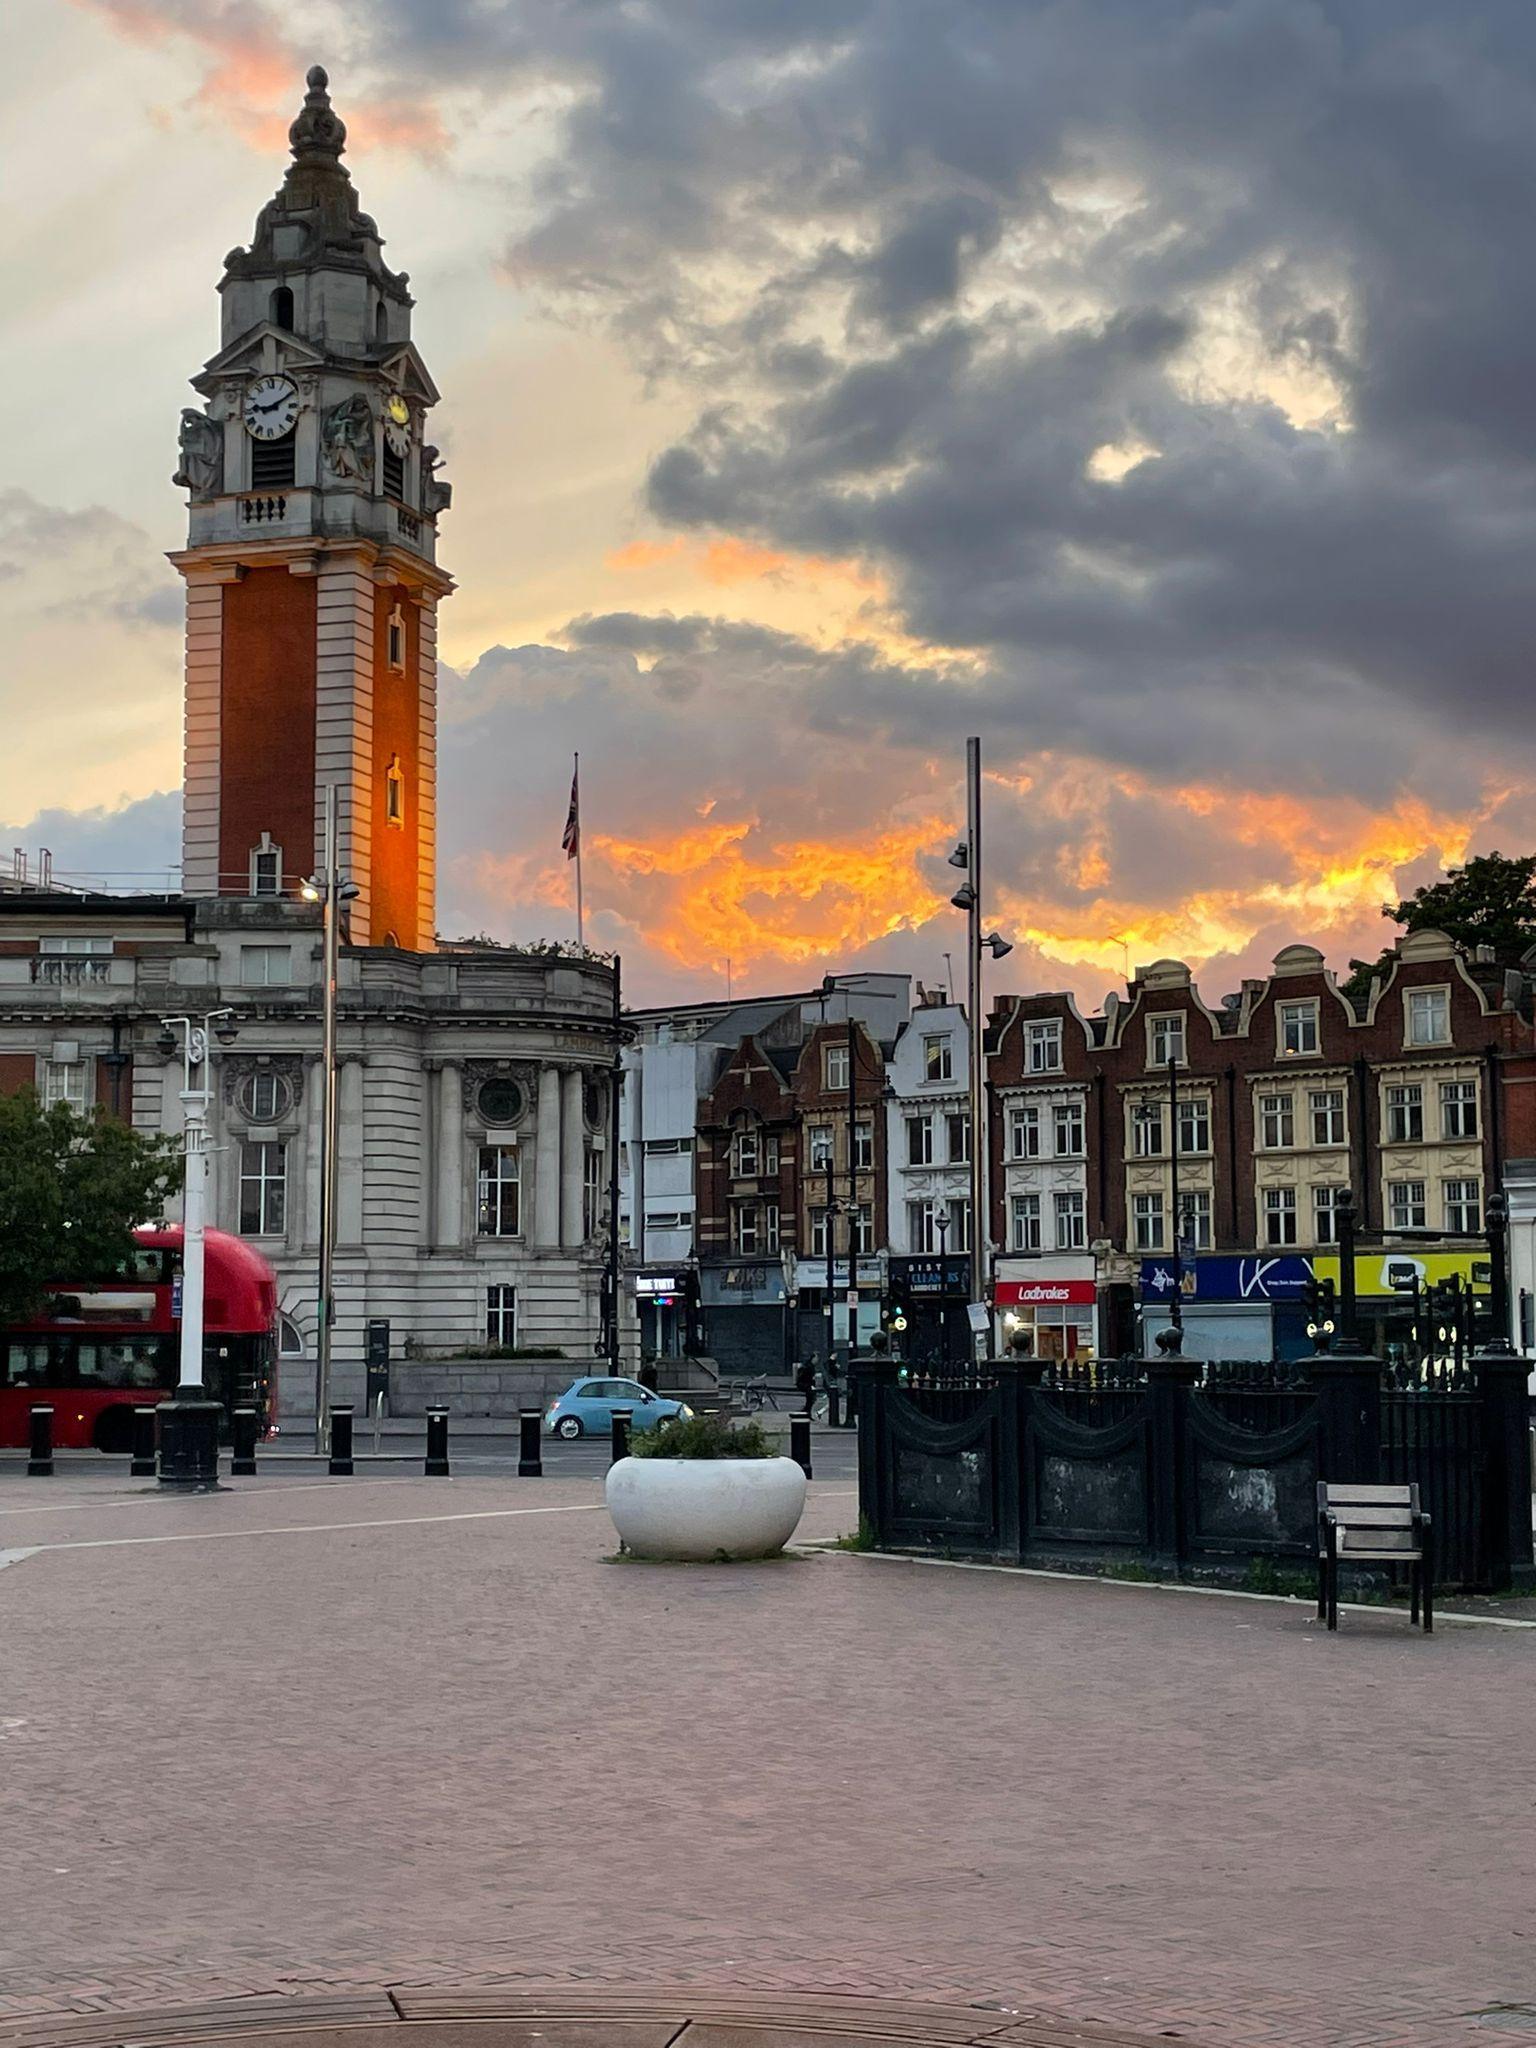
{"type": "Point", "coordinates": [105, 1347]}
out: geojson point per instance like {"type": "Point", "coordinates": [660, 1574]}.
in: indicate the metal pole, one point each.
{"type": "Point", "coordinates": [1496, 1222]}
{"type": "Point", "coordinates": [328, 1134]}
{"type": "Point", "coordinates": [853, 1187]}
{"type": "Point", "coordinates": [1348, 1339]}
{"type": "Point", "coordinates": [1176, 1304]}
{"type": "Point", "coordinates": [973, 1000]}
{"type": "Point", "coordinates": [194, 1216]}
{"type": "Point", "coordinates": [614, 1090]}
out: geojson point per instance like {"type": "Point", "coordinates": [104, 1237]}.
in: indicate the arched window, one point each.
{"type": "Point", "coordinates": [395, 639]}
{"type": "Point", "coordinates": [280, 311]}
{"type": "Point", "coordinates": [381, 321]}
{"type": "Point", "coordinates": [394, 793]}
{"type": "Point", "coordinates": [290, 1340]}
{"type": "Point", "coordinates": [266, 868]}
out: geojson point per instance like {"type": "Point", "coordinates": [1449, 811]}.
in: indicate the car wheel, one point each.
{"type": "Point", "coordinates": [569, 1427]}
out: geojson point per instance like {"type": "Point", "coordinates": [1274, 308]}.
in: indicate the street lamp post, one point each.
{"type": "Point", "coordinates": [189, 1424]}
{"type": "Point", "coordinates": [330, 890]}
{"type": "Point", "coordinates": [967, 897]}
{"type": "Point", "coordinates": [941, 1224]}
{"type": "Point", "coordinates": [1176, 1305]}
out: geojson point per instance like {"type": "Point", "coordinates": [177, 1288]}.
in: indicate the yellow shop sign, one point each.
{"type": "Point", "coordinates": [1379, 1273]}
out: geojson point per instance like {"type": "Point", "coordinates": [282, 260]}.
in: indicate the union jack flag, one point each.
{"type": "Point", "coordinates": [571, 841]}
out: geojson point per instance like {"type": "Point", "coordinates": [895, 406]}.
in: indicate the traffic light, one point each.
{"type": "Point", "coordinates": [1318, 1299]}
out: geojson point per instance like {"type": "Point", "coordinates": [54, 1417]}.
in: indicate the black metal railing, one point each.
{"type": "Point", "coordinates": [1193, 1465]}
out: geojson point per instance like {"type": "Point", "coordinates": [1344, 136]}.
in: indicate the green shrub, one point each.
{"type": "Point", "coordinates": [702, 1436]}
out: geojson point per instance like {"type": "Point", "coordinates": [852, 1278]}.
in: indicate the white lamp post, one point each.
{"type": "Point", "coordinates": [189, 1425]}
{"type": "Point", "coordinates": [330, 889]}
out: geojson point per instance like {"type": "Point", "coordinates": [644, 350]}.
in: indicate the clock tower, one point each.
{"type": "Point", "coordinates": [311, 563]}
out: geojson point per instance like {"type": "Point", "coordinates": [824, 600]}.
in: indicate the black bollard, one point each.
{"type": "Point", "coordinates": [40, 1455]}
{"type": "Point", "coordinates": [530, 1455]}
{"type": "Point", "coordinates": [436, 1466]}
{"type": "Point", "coordinates": [341, 1442]}
{"type": "Point", "coordinates": [242, 1444]}
{"type": "Point", "coordinates": [141, 1464]}
{"type": "Point", "coordinates": [834, 1408]}
{"type": "Point", "coordinates": [620, 1446]}
{"type": "Point", "coordinates": [800, 1442]}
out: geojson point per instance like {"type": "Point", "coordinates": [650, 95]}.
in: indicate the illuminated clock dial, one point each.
{"type": "Point", "coordinates": [271, 407]}
{"type": "Point", "coordinates": [397, 423]}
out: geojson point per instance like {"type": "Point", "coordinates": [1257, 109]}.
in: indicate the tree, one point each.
{"type": "Point", "coordinates": [1489, 902]}
{"type": "Point", "coordinates": [72, 1188]}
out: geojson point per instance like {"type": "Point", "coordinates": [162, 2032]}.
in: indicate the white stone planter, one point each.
{"type": "Point", "coordinates": [705, 1508]}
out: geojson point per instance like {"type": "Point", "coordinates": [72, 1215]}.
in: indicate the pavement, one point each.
{"type": "Point", "coordinates": [392, 1737]}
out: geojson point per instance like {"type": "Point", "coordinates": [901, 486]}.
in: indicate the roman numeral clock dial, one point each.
{"type": "Point", "coordinates": [271, 406]}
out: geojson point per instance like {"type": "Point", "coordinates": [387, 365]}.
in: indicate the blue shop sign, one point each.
{"type": "Point", "coordinates": [949, 1275]}
{"type": "Point", "coordinates": [1280, 1277]}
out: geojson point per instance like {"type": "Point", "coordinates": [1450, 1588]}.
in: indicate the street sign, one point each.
{"type": "Point", "coordinates": [176, 1299]}
{"type": "Point", "coordinates": [853, 1297]}
{"type": "Point", "coordinates": [977, 1316]}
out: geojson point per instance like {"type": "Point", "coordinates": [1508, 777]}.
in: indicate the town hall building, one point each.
{"type": "Point", "coordinates": [474, 1081]}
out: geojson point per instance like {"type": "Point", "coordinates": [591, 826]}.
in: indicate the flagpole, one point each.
{"type": "Point", "coordinates": [581, 935]}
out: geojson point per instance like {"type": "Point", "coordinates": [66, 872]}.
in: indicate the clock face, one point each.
{"type": "Point", "coordinates": [271, 407]}
{"type": "Point", "coordinates": [397, 423]}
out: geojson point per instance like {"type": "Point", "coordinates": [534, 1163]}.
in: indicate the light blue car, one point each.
{"type": "Point", "coordinates": [586, 1408]}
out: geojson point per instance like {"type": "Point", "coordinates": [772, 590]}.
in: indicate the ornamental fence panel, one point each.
{"type": "Point", "coordinates": [1187, 1465]}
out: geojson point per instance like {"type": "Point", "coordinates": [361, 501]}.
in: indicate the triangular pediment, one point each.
{"type": "Point", "coordinates": [250, 351]}
{"type": "Point", "coordinates": [402, 364]}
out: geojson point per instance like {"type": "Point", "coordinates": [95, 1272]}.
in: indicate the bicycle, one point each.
{"type": "Point", "coordinates": [757, 1394]}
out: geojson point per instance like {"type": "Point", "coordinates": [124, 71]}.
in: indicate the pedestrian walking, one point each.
{"type": "Point", "coordinates": [805, 1384]}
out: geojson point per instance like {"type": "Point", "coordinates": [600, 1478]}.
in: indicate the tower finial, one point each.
{"type": "Point", "coordinates": [317, 132]}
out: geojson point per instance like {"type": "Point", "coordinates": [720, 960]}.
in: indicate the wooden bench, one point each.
{"type": "Point", "coordinates": [1372, 1525]}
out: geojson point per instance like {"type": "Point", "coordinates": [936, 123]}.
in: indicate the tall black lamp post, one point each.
{"type": "Point", "coordinates": [1496, 1225]}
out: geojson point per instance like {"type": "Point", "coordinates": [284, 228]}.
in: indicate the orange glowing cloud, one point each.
{"type": "Point", "coordinates": [727, 559]}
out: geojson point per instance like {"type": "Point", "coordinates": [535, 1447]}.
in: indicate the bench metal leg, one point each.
{"type": "Point", "coordinates": [1322, 1584]}
{"type": "Point", "coordinates": [1415, 1581]}
{"type": "Point", "coordinates": [1429, 1612]}
{"type": "Point", "coordinates": [1333, 1577]}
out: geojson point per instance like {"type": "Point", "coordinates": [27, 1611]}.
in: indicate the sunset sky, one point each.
{"type": "Point", "coordinates": [1145, 385]}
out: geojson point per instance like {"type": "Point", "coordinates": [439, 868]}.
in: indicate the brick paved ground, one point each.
{"type": "Point", "coordinates": [278, 1755]}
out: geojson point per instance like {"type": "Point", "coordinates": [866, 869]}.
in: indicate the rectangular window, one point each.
{"type": "Point", "coordinates": [396, 637]}
{"type": "Point", "coordinates": [394, 473]}
{"type": "Point", "coordinates": [1147, 1130]}
{"type": "Point", "coordinates": [1458, 1109]}
{"type": "Point", "coordinates": [499, 1191]}
{"type": "Point", "coordinates": [75, 946]}
{"type": "Point", "coordinates": [919, 1141]}
{"type": "Point", "coordinates": [263, 1189]}
{"type": "Point", "coordinates": [1197, 1218]}
{"type": "Point", "coordinates": [863, 1147]}
{"type": "Point", "coordinates": [819, 1147]}
{"type": "Point", "coordinates": [1429, 1016]}
{"type": "Point", "coordinates": [1044, 1040]}
{"type": "Point", "coordinates": [266, 966]}
{"type": "Point", "coordinates": [1071, 1221]}
{"type": "Point", "coordinates": [958, 1137]}
{"type": "Point", "coordinates": [1463, 1205]}
{"type": "Point", "coordinates": [744, 1155]}
{"type": "Point", "coordinates": [1195, 1124]}
{"type": "Point", "coordinates": [591, 1192]}
{"type": "Point", "coordinates": [1327, 1116]}
{"type": "Point", "coordinates": [266, 871]}
{"type": "Point", "coordinates": [1024, 1126]}
{"type": "Point", "coordinates": [1026, 1223]}
{"type": "Point", "coordinates": [660, 1148]}
{"type": "Point", "coordinates": [266, 1097]}
{"type": "Point", "coordinates": [1147, 1217]}
{"type": "Point", "coordinates": [1277, 1124]}
{"type": "Point", "coordinates": [501, 1316]}
{"type": "Point", "coordinates": [1298, 1028]}
{"type": "Point", "coordinates": [1279, 1215]}
{"type": "Point", "coordinates": [1406, 1208]}
{"type": "Point", "coordinates": [864, 1229]}
{"type": "Point", "coordinates": [755, 1226]}
{"type": "Point", "coordinates": [818, 1221]}
{"type": "Point", "coordinates": [938, 1059]}
{"type": "Point", "coordinates": [1165, 1040]}
{"type": "Point", "coordinates": [1068, 1118]}
{"type": "Point", "coordinates": [1325, 1215]}
{"type": "Point", "coordinates": [835, 1067]}
{"type": "Point", "coordinates": [64, 1081]}
{"type": "Point", "coordinates": [922, 1226]}
{"type": "Point", "coordinates": [1405, 1114]}
{"type": "Point", "coordinates": [958, 1237]}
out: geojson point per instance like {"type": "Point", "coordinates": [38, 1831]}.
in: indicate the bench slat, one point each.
{"type": "Point", "coordinates": [1377, 1545]}
{"type": "Point", "coordinates": [1372, 1518]}
{"type": "Point", "coordinates": [1335, 1493]}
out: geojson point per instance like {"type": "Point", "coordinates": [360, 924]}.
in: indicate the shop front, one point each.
{"type": "Point", "coordinates": [664, 1296]}
{"type": "Point", "coordinates": [928, 1324]}
{"type": "Point", "coordinates": [863, 1301]}
{"type": "Point", "coordinates": [1232, 1306]}
{"type": "Point", "coordinates": [746, 1316]}
{"type": "Point", "coordinates": [1054, 1301]}
{"type": "Point", "coordinates": [1394, 1305]}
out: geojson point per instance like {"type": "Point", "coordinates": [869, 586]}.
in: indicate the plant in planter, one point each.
{"type": "Point", "coordinates": [695, 1488]}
